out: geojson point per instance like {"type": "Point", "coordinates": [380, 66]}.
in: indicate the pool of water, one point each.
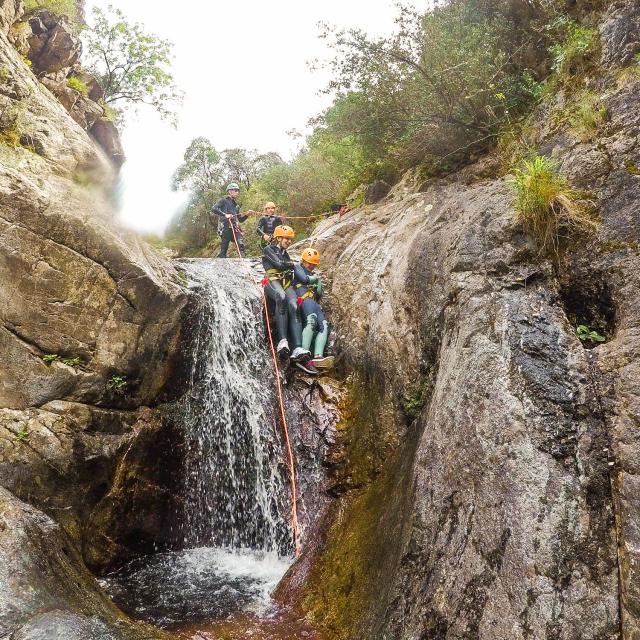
{"type": "Point", "coordinates": [174, 589]}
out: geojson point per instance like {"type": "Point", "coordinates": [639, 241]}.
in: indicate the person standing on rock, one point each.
{"type": "Point", "coordinates": [267, 224]}
{"type": "Point", "coordinates": [229, 217]}
{"type": "Point", "coordinates": [278, 282]}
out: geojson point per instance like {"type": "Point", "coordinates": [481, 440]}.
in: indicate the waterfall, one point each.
{"type": "Point", "coordinates": [237, 535]}
{"type": "Point", "coordinates": [236, 495]}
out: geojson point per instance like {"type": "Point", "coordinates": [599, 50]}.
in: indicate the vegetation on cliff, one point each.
{"type": "Point", "coordinates": [445, 86]}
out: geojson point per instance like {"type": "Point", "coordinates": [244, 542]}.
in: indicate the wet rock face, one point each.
{"type": "Point", "coordinates": [74, 284]}
{"type": "Point", "coordinates": [45, 589]}
{"type": "Point", "coordinates": [96, 472]}
{"type": "Point", "coordinates": [515, 513]}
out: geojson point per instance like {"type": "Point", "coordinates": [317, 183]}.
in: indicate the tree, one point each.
{"type": "Point", "coordinates": [441, 86]}
{"type": "Point", "coordinates": [202, 172]}
{"type": "Point", "coordinates": [131, 66]}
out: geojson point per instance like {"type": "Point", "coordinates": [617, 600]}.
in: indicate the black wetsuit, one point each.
{"type": "Point", "coordinates": [279, 270]}
{"type": "Point", "coordinates": [266, 226]}
{"type": "Point", "coordinates": [310, 302]}
{"type": "Point", "coordinates": [221, 208]}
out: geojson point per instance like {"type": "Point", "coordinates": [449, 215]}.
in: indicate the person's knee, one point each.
{"type": "Point", "coordinates": [312, 321]}
{"type": "Point", "coordinates": [292, 306]}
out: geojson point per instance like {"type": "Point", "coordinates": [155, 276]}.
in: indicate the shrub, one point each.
{"type": "Point", "coordinates": [65, 8]}
{"type": "Point", "coordinates": [575, 54]}
{"type": "Point", "coordinates": [79, 86]}
{"type": "Point", "coordinates": [545, 203]}
{"type": "Point", "coordinates": [587, 115]}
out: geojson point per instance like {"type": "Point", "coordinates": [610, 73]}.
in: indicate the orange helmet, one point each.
{"type": "Point", "coordinates": [283, 231]}
{"type": "Point", "coordinates": [311, 256]}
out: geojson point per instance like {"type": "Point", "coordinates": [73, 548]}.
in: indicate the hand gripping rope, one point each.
{"type": "Point", "coordinates": [291, 461]}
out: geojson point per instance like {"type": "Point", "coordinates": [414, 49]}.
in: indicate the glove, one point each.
{"type": "Point", "coordinates": [318, 288]}
{"type": "Point", "coordinates": [312, 279]}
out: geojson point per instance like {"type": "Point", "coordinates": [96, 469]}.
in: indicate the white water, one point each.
{"type": "Point", "coordinates": [235, 489]}
{"type": "Point", "coordinates": [236, 531]}
{"type": "Point", "coordinates": [196, 585]}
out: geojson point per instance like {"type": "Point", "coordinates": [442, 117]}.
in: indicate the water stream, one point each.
{"type": "Point", "coordinates": [236, 535]}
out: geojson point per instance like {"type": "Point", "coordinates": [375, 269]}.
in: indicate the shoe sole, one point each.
{"type": "Point", "coordinates": [303, 368]}
{"type": "Point", "coordinates": [324, 363]}
{"type": "Point", "coordinates": [300, 358]}
{"type": "Point", "coordinates": [283, 354]}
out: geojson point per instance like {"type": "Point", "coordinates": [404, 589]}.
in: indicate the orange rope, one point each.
{"type": "Point", "coordinates": [292, 468]}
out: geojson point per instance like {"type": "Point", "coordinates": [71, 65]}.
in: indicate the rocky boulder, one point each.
{"type": "Point", "coordinates": [96, 472]}
{"type": "Point", "coordinates": [107, 136]}
{"type": "Point", "coordinates": [75, 285]}
{"type": "Point", "coordinates": [45, 589]}
{"type": "Point", "coordinates": [10, 11]}
{"type": "Point", "coordinates": [53, 44]}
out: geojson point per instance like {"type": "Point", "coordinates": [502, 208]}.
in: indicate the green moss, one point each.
{"type": "Point", "coordinates": [4, 74]}
{"type": "Point", "coordinates": [361, 548]}
{"type": "Point", "coordinates": [83, 178]}
{"type": "Point", "coordinates": [632, 168]}
{"type": "Point", "coordinates": [79, 86]}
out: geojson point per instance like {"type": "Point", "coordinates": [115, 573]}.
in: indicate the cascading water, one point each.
{"type": "Point", "coordinates": [236, 533]}
{"type": "Point", "coordinates": [235, 494]}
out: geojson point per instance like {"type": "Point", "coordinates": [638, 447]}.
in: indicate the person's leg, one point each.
{"type": "Point", "coordinates": [275, 292]}
{"type": "Point", "coordinates": [320, 343]}
{"type": "Point", "coordinates": [225, 239]}
{"type": "Point", "coordinates": [295, 325]}
{"type": "Point", "coordinates": [308, 312]}
{"type": "Point", "coordinates": [240, 241]}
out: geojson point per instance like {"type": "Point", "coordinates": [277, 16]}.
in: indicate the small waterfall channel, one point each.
{"type": "Point", "coordinates": [237, 539]}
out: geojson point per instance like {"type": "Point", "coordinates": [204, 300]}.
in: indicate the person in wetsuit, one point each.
{"type": "Point", "coordinates": [278, 268]}
{"type": "Point", "coordinates": [267, 224]}
{"type": "Point", "coordinates": [228, 212]}
{"type": "Point", "coordinates": [316, 327]}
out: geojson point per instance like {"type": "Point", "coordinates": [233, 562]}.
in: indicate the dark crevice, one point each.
{"type": "Point", "coordinates": [586, 296]}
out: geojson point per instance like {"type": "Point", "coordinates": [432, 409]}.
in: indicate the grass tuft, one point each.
{"type": "Point", "coordinates": [546, 205]}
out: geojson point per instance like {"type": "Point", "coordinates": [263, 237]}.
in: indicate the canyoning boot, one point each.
{"type": "Point", "coordinates": [308, 367]}
{"type": "Point", "coordinates": [299, 354]}
{"type": "Point", "coordinates": [283, 348]}
{"type": "Point", "coordinates": [321, 362]}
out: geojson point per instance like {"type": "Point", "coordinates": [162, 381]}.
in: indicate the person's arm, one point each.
{"type": "Point", "coordinates": [219, 208]}
{"type": "Point", "coordinates": [303, 277]}
{"type": "Point", "coordinates": [260, 229]}
{"type": "Point", "coordinates": [276, 261]}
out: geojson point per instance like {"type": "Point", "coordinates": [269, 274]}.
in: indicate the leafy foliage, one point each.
{"type": "Point", "coordinates": [575, 53]}
{"type": "Point", "coordinates": [78, 85]}
{"type": "Point", "coordinates": [65, 8]}
{"type": "Point", "coordinates": [585, 334]}
{"type": "Point", "coordinates": [131, 65]}
{"type": "Point", "coordinates": [117, 383]}
{"type": "Point", "coordinates": [546, 204]}
{"type": "Point", "coordinates": [440, 87]}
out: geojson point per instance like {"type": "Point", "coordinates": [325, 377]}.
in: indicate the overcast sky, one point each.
{"type": "Point", "coordinates": [243, 68]}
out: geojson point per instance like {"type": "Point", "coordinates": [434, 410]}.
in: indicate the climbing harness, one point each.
{"type": "Point", "coordinates": [292, 468]}
{"type": "Point", "coordinates": [275, 274]}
